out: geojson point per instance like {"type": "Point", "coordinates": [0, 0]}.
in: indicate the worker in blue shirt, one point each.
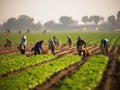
{"type": "Point", "coordinates": [104, 45]}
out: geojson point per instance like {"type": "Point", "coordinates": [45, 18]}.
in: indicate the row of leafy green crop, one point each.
{"type": "Point", "coordinates": [31, 78]}
{"type": "Point", "coordinates": [89, 37]}
{"type": "Point", "coordinates": [88, 77]}
{"type": "Point", "coordinates": [13, 62]}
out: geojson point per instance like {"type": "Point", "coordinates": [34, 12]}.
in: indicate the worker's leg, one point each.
{"type": "Point", "coordinates": [22, 51]}
{"type": "Point", "coordinates": [79, 52]}
{"type": "Point", "coordinates": [106, 50]}
{"type": "Point", "coordinates": [35, 52]}
{"type": "Point", "coordinates": [84, 54]}
{"type": "Point", "coordinates": [9, 43]}
{"type": "Point", "coordinates": [38, 51]}
{"type": "Point", "coordinates": [53, 51]}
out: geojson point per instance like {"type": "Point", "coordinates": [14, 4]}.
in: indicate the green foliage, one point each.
{"type": "Point", "coordinates": [90, 37]}
{"type": "Point", "coordinates": [29, 79]}
{"type": "Point", "coordinates": [13, 62]}
{"type": "Point", "coordinates": [88, 77]}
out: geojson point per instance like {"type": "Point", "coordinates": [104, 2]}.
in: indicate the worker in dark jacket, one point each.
{"type": "Point", "coordinates": [38, 47]}
{"type": "Point", "coordinates": [69, 41]}
{"type": "Point", "coordinates": [104, 45]}
{"type": "Point", "coordinates": [81, 44]}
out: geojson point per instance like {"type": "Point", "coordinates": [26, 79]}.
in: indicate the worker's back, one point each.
{"type": "Point", "coordinates": [104, 43]}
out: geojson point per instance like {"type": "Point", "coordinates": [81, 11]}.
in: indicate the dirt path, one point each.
{"type": "Point", "coordinates": [12, 50]}
{"type": "Point", "coordinates": [108, 81]}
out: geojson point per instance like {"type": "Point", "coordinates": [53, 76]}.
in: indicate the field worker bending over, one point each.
{"type": "Point", "coordinates": [81, 44]}
{"type": "Point", "coordinates": [52, 46]}
{"type": "Point", "coordinates": [38, 47]}
{"type": "Point", "coordinates": [69, 41]}
{"type": "Point", "coordinates": [104, 45]}
{"type": "Point", "coordinates": [23, 44]}
{"type": "Point", "coordinates": [8, 43]}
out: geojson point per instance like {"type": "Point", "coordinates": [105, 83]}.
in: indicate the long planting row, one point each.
{"type": "Point", "coordinates": [89, 37]}
{"type": "Point", "coordinates": [13, 62]}
{"type": "Point", "coordinates": [88, 77]}
{"type": "Point", "coordinates": [32, 77]}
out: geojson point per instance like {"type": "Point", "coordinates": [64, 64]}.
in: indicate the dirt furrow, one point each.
{"type": "Point", "coordinates": [108, 79]}
{"type": "Point", "coordinates": [99, 50]}
{"type": "Point", "coordinates": [32, 66]}
{"type": "Point", "coordinates": [54, 79]}
{"type": "Point", "coordinates": [109, 83]}
{"type": "Point", "coordinates": [12, 50]}
{"type": "Point", "coordinates": [59, 55]}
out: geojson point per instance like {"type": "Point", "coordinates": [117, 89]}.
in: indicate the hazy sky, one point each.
{"type": "Point", "coordinates": [44, 10]}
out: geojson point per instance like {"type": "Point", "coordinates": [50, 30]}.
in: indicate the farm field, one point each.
{"type": "Point", "coordinates": [91, 37]}
{"type": "Point", "coordinates": [65, 70]}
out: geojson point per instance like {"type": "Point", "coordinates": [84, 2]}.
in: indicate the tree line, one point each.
{"type": "Point", "coordinates": [24, 22]}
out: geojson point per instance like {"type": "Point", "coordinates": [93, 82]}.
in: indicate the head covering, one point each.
{"type": "Point", "coordinates": [42, 41]}
{"type": "Point", "coordinates": [51, 39]}
{"type": "Point", "coordinates": [69, 37]}
{"type": "Point", "coordinates": [79, 37]}
{"type": "Point", "coordinates": [54, 37]}
{"type": "Point", "coordinates": [7, 39]}
{"type": "Point", "coordinates": [106, 39]}
{"type": "Point", "coordinates": [23, 37]}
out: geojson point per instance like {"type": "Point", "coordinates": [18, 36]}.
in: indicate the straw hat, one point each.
{"type": "Point", "coordinates": [23, 37]}
{"type": "Point", "coordinates": [69, 37]}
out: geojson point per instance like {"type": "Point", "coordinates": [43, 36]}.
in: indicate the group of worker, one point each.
{"type": "Point", "coordinates": [52, 43]}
